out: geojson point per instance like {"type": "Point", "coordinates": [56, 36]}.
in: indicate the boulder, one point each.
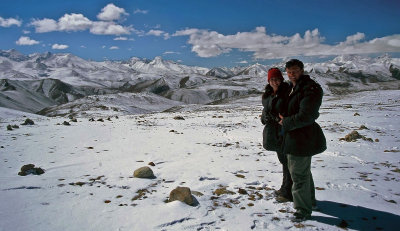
{"type": "Point", "coordinates": [182, 194]}
{"type": "Point", "coordinates": [144, 172]}
{"type": "Point", "coordinates": [30, 169]}
{"type": "Point", "coordinates": [28, 122]}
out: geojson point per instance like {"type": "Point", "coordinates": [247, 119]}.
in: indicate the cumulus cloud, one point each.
{"type": "Point", "coordinates": [8, 22]}
{"type": "Point", "coordinates": [59, 46]}
{"type": "Point", "coordinates": [207, 43]}
{"type": "Point", "coordinates": [26, 41]}
{"type": "Point", "coordinates": [109, 28]}
{"type": "Point", "coordinates": [44, 25]}
{"type": "Point", "coordinates": [74, 22]}
{"type": "Point", "coordinates": [78, 22]}
{"type": "Point", "coordinates": [111, 12]}
{"type": "Point", "coordinates": [139, 11]}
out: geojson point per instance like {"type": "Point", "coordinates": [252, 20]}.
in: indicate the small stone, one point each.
{"type": "Point", "coordinates": [66, 123]}
{"type": "Point", "coordinates": [144, 172]}
{"type": "Point", "coordinates": [100, 120]}
{"type": "Point", "coordinates": [151, 164]}
{"type": "Point", "coordinates": [356, 114]}
{"type": "Point", "coordinates": [181, 194]}
{"type": "Point", "coordinates": [74, 120]}
{"type": "Point", "coordinates": [179, 118]}
{"type": "Point", "coordinates": [9, 127]}
{"type": "Point", "coordinates": [91, 120]}
{"type": "Point", "coordinates": [242, 191]}
{"type": "Point", "coordinates": [196, 193]}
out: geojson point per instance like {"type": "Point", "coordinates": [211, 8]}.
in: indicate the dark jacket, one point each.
{"type": "Point", "coordinates": [273, 106]}
{"type": "Point", "coordinates": [303, 136]}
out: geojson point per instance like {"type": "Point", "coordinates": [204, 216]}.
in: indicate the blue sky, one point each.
{"type": "Point", "coordinates": [202, 32]}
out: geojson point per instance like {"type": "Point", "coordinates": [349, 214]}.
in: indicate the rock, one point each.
{"type": "Point", "coordinates": [356, 114]}
{"type": "Point", "coordinates": [352, 136]}
{"type": "Point", "coordinates": [9, 127]}
{"type": "Point", "coordinates": [179, 118]}
{"type": "Point", "coordinates": [144, 172]}
{"type": "Point", "coordinates": [91, 119]}
{"type": "Point", "coordinates": [74, 120]}
{"type": "Point", "coordinates": [196, 193]}
{"type": "Point", "coordinates": [100, 120]}
{"type": "Point", "coordinates": [30, 169]}
{"type": "Point", "coordinates": [152, 164]}
{"type": "Point", "coordinates": [182, 194]}
{"type": "Point", "coordinates": [66, 123]}
{"type": "Point", "coordinates": [28, 122]}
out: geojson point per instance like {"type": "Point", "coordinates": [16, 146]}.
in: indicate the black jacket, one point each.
{"type": "Point", "coordinates": [273, 106]}
{"type": "Point", "coordinates": [303, 136]}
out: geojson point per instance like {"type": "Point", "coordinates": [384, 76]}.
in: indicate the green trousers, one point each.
{"type": "Point", "coordinates": [303, 190]}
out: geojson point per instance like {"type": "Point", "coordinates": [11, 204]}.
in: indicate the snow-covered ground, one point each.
{"type": "Point", "coordinates": [88, 182]}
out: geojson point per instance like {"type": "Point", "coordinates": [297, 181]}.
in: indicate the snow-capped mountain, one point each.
{"type": "Point", "coordinates": [255, 70]}
{"type": "Point", "coordinates": [221, 72]}
{"type": "Point", "coordinates": [158, 65]}
{"type": "Point", "coordinates": [34, 82]}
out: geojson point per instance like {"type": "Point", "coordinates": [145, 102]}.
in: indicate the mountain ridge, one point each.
{"type": "Point", "coordinates": [37, 81]}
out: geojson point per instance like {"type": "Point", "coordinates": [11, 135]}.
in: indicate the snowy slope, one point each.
{"type": "Point", "coordinates": [88, 183]}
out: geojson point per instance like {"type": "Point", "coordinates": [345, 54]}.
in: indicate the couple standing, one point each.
{"type": "Point", "coordinates": [289, 114]}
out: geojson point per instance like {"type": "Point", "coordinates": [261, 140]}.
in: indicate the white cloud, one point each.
{"type": "Point", "coordinates": [159, 33]}
{"type": "Point", "coordinates": [44, 25]}
{"type": "Point", "coordinates": [74, 22]}
{"type": "Point", "coordinates": [59, 46]}
{"type": "Point", "coordinates": [264, 46]}
{"type": "Point", "coordinates": [243, 62]}
{"type": "Point", "coordinates": [83, 46]}
{"type": "Point", "coordinates": [78, 22]}
{"type": "Point", "coordinates": [8, 22]}
{"type": "Point", "coordinates": [171, 52]}
{"type": "Point", "coordinates": [26, 41]}
{"type": "Point", "coordinates": [114, 48]}
{"type": "Point", "coordinates": [139, 11]}
{"type": "Point", "coordinates": [68, 22]}
{"type": "Point", "coordinates": [111, 12]}
{"type": "Point", "coordinates": [121, 38]}
{"type": "Point", "coordinates": [26, 32]}
{"type": "Point", "coordinates": [353, 39]}
{"type": "Point", "coordinates": [109, 28]}
{"type": "Point", "coordinates": [155, 32]}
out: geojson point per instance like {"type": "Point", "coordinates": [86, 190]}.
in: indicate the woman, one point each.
{"type": "Point", "coordinates": [274, 102]}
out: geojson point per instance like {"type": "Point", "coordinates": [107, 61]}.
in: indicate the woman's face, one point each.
{"type": "Point", "coordinates": [275, 82]}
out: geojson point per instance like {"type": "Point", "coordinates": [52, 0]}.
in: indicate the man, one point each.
{"type": "Point", "coordinates": [303, 137]}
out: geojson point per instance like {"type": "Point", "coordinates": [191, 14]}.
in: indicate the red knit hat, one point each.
{"type": "Point", "coordinates": [274, 73]}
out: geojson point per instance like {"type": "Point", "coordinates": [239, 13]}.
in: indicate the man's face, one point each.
{"type": "Point", "coordinates": [294, 73]}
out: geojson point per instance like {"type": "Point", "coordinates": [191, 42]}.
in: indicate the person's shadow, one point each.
{"type": "Point", "coordinates": [356, 217]}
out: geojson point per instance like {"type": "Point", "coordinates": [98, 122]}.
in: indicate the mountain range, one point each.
{"type": "Point", "coordinates": [64, 84]}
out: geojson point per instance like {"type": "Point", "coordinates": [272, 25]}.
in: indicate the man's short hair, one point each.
{"type": "Point", "coordinates": [294, 62]}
